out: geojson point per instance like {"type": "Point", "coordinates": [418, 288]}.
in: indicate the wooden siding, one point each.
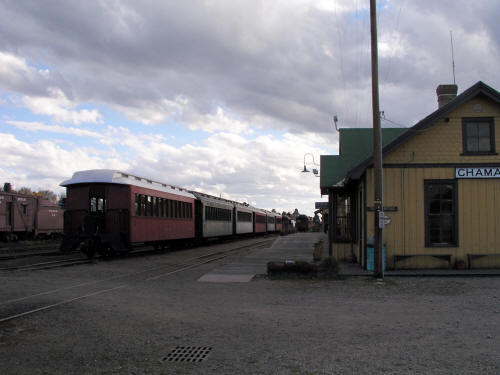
{"type": "Point", "coordinates": [437, 149]}
{"type": "Point", "coordinates": [478, 205]}
{"type": "Point", "coordinates": [442, 143]}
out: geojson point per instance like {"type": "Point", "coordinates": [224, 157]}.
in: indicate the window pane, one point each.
{"type": "Point", "coordinates": [447, 206]}
{"type": "Point", "coordinates": [434, 207]}
{"type": "Point", "coordinates": [435, 236]}
{"type": "Point", "coordinates": [472, 129]}
{"type": "Point", "coordinates": [143, 205]}
{"type": "Point", "coordinates": [434, 222]}
{"type": "Point", "coordinates": [484, 144]}
{"type": "Point", "coordinates": [100, 205]}
{"type": "Point", "coordinates": [447, 191]}
{"type": "Point", "coordinates": [447, 228]}
{"type": "Point", "coordinates": [483, 130]}
{"type": "Point", "coordinates": [93, 204]}
{"type": "Point", "coordinates": [472, 144]}
{"type": "Point", "coordinates": [149, 204]}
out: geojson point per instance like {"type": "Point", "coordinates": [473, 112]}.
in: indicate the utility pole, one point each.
{"type": "Point", "coordinates": [377, 150]}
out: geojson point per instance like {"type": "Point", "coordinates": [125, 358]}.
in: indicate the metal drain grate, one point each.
{"type": "Point", "coordinates": [188, 354]}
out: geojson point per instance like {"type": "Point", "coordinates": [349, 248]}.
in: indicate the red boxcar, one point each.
{"type": "Point", "coordinates": [49, 218]}
{"type": "Point", "coordinates": [109, 211]}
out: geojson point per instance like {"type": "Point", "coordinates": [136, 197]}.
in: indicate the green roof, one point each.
{"type": "Point", "coordinates": [356, 145]}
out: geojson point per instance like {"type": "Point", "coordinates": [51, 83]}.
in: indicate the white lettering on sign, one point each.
{"type": "Point", "coordinates": [21, 199]}
{"type": "Point", "coordinates": [484, 172]}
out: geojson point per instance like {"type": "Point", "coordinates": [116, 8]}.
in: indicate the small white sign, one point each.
{"type": "Point", "coordinates": [383, 220]}
{"type": "Point", "coordinates": [481, 172]}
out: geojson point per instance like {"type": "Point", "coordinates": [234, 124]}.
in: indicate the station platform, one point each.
{"type": "Point", "coordinates": [291, 247]}
{"type": "Point", "coordinates": [301, 246]}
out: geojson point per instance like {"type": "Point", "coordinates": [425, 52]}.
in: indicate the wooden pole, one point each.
{"type": "Point", "coordinates": [377, 147]}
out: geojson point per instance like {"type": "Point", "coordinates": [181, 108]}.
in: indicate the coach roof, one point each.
{"type": "Point", "coordinates": [111, 176]}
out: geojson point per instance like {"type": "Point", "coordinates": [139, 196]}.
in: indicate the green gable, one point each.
{"type": "Point", "coordinates": [356, 145]}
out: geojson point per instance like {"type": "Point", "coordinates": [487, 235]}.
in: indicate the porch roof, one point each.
{"type": "Point", "coordinates": [355, 146]}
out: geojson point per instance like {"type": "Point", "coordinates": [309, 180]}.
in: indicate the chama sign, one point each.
{"type": "Point", "coordinates": [481, 172]}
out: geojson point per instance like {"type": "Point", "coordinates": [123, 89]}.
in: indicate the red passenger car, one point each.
{"type": "Point", "coordinates": [260, 221]}
{"type": "Point", "coordinates": [108, 211]}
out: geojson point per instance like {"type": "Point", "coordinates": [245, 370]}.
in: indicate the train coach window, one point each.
{"type": "Point", "coordinates": [160, 207]}
{"type": "Point", "coordinates": [217, 214]}
{"type": "Point", "coordinates": [137, 205]}
{"type": "Point", "coordinates": [155, 206]}
{"type": "Point", "coordinates": [260, 219]}
{"type": "Point", "coordinates": [97, 205]}
{"type": "Point", "coordinates": [244, 216]}
{"type": "Point", "coordinates": [143, 204]}
{"type": "Point", "coordinates": [24, 209]}
{"type": "Point", "coordinates": [149, 206]}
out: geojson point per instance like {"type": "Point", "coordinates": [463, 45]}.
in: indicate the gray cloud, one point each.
{"type": "Point", "coordinates": [289, 65]}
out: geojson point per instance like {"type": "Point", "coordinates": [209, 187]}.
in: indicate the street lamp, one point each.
{"type": "Point", "coordinates": [314, 170]}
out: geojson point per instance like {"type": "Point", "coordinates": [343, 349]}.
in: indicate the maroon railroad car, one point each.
{"type": "Point", "coordinates": [260, 221]}
{"type": "Point", "coordinates": [108, 211]}
{"type": "Point", "coordinates": [27, 216]}
{"type": "Point", "coordinates": [17, 215]}
{"type": "Point", "coordinates": [279, 223]}
{"type": "Point", "coordinates": [49, 218]}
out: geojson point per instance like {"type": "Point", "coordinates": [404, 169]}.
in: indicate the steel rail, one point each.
{"type": "Point", "coordinates": [225, 253]}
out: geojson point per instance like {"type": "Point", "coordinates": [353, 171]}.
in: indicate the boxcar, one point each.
{"type": "Point", "coordinates": [110, 211]}
{"type": "Point", "coordinates": [214, 216]}
{"type": "Point", "coordinates": [48, 219]}
{"type": "Point", "coordinates": [17, 215]}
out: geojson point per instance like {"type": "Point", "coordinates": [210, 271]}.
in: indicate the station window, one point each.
{"type": "Point", "coordinates": [478, 136]}
{"type": "Point", "coordinates": [440, 213]}
{"type": "Point", "coordinates": [343, 219]}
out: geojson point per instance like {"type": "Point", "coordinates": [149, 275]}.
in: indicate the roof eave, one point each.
{"type": "Point", "coordinates": [477, 89]}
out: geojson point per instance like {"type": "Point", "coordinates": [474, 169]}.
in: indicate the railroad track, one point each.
{"type": "Point", "coordinates": [47, 265]}
{"type": "Point", "coordinates": [122, 281]}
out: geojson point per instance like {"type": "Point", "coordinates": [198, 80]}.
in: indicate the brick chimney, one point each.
{"type": "Point", "coordinates": [445, 94]}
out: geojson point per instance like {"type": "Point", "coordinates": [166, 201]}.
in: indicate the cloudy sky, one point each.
{"type": "Point", "coordinates": [224, 96]}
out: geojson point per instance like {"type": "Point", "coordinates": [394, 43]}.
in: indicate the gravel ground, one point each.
{"type": "Point", "coordinates": [351, 326]}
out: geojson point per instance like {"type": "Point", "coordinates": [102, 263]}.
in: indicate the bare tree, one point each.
{"type": "Point", "coordinates": [25, 190]}
{"type": "Point", "coordinates": [48, 194]}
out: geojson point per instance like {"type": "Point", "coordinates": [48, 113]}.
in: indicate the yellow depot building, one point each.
{"type": "Point", "coordinates": [441, 187]}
